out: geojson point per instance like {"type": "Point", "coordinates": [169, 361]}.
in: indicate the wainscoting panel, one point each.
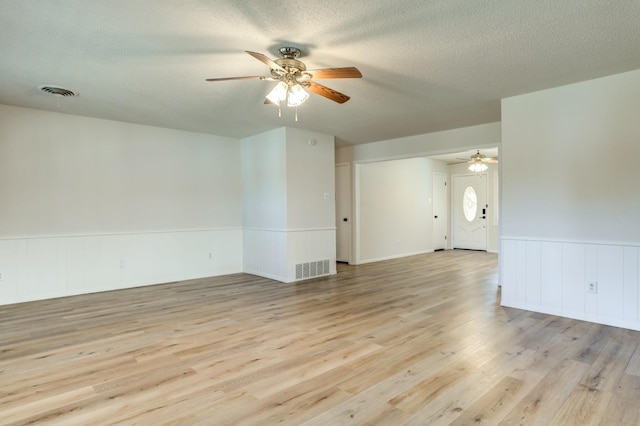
{"type": "Point", "coordinates": [265, 253]}
{"type": "Point", "coordinates": [532, 260]}
{"type": "Point", "coordinates": [274, 253]}
{"type": "Point", "coordinates": [631, 263]}
{"type": "Point", "coordinates": [574, 281]}
{"type": "Point", "coordinates": [36, 268]}
{"type": "Point", "coordinates": [610, 278]}
{"type": "Point", "coordinates": [311, 245]}
{"type": "Point", "coordinates": [553, 277]}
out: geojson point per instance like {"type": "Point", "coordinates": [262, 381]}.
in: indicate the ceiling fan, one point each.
{"type": "Point", "coordinates": [477, 162]}
{"type": "Point", "coordinates": [294, 79]}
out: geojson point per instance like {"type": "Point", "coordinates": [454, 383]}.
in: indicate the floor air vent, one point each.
{"type": "Point", "coordinates": [312, 269]}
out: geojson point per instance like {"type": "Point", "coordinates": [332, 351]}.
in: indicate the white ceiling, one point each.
{"type": "Point", "coordinates": [428, 65]}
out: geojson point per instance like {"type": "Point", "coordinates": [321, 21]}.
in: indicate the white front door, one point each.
{"type": "Point", "coordinates": [470, 212]}
{"type": "Point", "coordinates": [343, 213]}
{"type": "Point", "coordinates": [439, 211]}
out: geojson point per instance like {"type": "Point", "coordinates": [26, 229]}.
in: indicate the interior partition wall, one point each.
{"type": "Point", "coordinates": [570, 242]}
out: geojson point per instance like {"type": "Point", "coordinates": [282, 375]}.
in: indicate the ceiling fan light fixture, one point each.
{"type": "Point", "coordinates": [297, 95]}
{"type": "Point", "coordinates": [293, 78]}
{"type": "Point", "coordinates": [478, 167]}
{"type": "Point", "coordinates": [278, 93]}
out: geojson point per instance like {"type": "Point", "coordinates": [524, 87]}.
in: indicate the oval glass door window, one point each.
{"type": "Point", "coordinates": [470, 203]}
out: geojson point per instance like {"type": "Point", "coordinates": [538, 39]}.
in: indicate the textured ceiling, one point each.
{"type": "Point", "coordinates": [428, 65]}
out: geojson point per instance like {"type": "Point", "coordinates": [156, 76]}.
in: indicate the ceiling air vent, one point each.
{"type": "Point", "coordinates": [57, 90]}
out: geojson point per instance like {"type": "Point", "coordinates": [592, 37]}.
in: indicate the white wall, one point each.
{"type": "Point", "coordinates": [65, 175]}
{"type": "Point", "coordinates": [310, 180]}
{"type": "Point", "coordinates": [584, 140]}
{"type": "Point", "coordinates": [90, 205]}
{"type": "Point", "coordinates": [311, 200]}
{"type": "Point", "coordinates": [289, 202]}
{"type": "Point", "coordinates": [394, 210]}
{"type": "Point", "coordinates": [570, 203]}
{"type": "Point", "coordinates": [264, 189]}
{"type": "Point", "coordinates": [264, 180]}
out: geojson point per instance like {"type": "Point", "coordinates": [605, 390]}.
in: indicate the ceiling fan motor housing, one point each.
{"type": "Point", "coordinates": [291, 64]}
{"type": "Point", "coordinates": [294, 68]}
{"type": "Point", "coordinates": [289, 52]}
{"type": "Point", "coordinates": [478, 156]}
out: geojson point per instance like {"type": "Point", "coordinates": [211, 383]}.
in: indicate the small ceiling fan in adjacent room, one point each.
{"type": "Point", "coordinates": [294, 80]}
{"type": "Point", "coordinates": [477, 162]}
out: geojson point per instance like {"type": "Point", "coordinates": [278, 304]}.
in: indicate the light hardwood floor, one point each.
{"type": "Point", "coordinates": [417, 341]}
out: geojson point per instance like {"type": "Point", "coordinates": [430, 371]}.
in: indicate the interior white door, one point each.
{"type": "Point", "coordinates": [343, 213]}
{"type": "Point", "coordinates": [470, 212]}
{"type": "Point", "coordinates": [439, 211]}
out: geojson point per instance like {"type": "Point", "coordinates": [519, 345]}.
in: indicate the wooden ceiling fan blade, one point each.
{"type": "Point", "coordinates": [328, 93]}
{"type": "Point", "coordinates": [347, 72]}
{"type": "Point", "coordinates": [250, 77]}
{"type": "Point", "coordinates": [262, 58]}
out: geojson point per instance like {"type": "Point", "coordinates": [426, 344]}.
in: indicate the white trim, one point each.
{"type": "Point", "coordinates": [284, 230]}
{"type": "Point", "coordinates": [111, 234]}
{"type": "Point", "coordinates": [266, 275]}
{"type": "Point", "coordinates": [351, 215]}
{"type": "Point", "coordinates": [574, 315]}
{"type": "Point", "coordinates": [395, 256]}
{"type": "Point", "coordinates": [356, 213]}
{"type": "Point", "coordinates": [495, 202]}
{"type": "Point", "coordinates": [447, 207]}
{"type": "Point", "coordinates": [569, 241]}
{"type": "Point", "coordinates": [168, 231]}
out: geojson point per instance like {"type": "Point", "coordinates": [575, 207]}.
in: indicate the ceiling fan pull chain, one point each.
{"type": "Point", "coordinates": [296, 113]}
{"type": "Point", "coordinates": [279, 111]}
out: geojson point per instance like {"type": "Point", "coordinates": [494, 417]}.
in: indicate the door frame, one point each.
{"type": "Point", "coordinates": [445, 206]}
{"type": "Point", "coordinates": [348, 188]}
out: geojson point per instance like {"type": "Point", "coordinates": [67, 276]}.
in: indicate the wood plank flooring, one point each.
{"type": "Point", "coordinates": [416, 341]}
